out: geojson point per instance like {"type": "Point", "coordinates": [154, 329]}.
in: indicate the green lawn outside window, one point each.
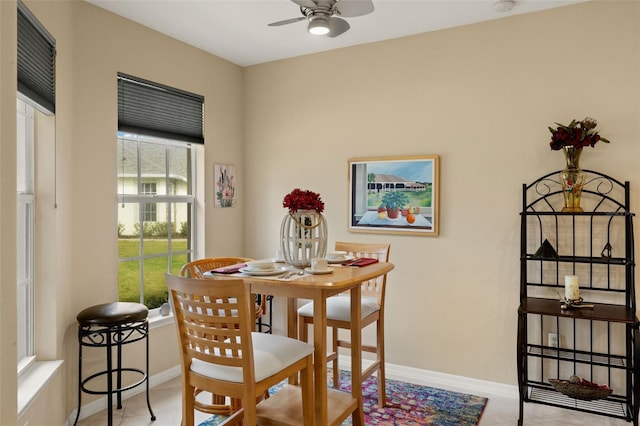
{"type": "Point", "coordinates": [155, 289]}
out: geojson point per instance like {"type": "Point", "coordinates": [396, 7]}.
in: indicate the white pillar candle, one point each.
{"type": "Point", "coordinates": [571, 288]}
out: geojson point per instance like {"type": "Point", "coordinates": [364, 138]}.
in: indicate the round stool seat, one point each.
{"type": "Point", "coordinates": [110, 314]}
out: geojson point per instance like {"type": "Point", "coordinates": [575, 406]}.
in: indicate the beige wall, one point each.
{"type": "Point", "coordinates": [480, 96]}
{"type": "Point", "coordinates": [8, 84]}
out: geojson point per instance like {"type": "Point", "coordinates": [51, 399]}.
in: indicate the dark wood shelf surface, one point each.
{"type": "Point", "coordinates": [600, 311]}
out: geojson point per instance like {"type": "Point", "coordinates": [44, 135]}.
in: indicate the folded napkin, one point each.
{"type": "Point", "coordinates": [229, 269]}
{"type": "Point", "coordinates": [363, 261]}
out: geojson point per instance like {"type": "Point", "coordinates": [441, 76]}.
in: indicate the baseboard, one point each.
{"type": "Point", "coordinates": [442, 380]}
{"type": "Point", "coordinates": [101, 404]}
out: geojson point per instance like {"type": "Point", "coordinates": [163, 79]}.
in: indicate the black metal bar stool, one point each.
{"type": "Point", "coordinates": [106, 326]}
{"type": "Point", "coordinates": [266, 302]}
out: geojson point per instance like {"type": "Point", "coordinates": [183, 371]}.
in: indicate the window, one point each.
{"type": "Point", "coordinates": [157, 126]}
{"type": "Point", "coordinates": [149, 214]}
{"type": "Point", "coordinates": [149, 189]}
{"type": "Point", "coordinates": [155, 215]}
{"type": "Point", "coordinates": [35, 158]}
{"type": "Point", "coordinates": [25, 235]}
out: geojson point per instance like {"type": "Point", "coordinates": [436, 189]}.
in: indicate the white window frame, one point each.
{"type": "Point", "coordinates": [25, 244]}
{"type": "Point", "coordinates": [142, 198]}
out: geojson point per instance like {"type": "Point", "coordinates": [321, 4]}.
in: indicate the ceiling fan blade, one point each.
{"type": "Point", "coordinates": [337, 26]}
{"type": "Point", "coordinates": [287, 21]}
{"type": "Point", "coordinates": [306, 3]}
{"type": "Point", "coordinates": [350, 8]}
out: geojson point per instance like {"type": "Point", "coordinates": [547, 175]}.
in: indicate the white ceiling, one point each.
{"type": "Point", "coordinates": [237, 30]}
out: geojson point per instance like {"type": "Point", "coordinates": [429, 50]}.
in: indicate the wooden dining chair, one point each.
{"type": "Point", "coordinates": [221, 354]}
{"type": "Point", "coordinates": [339, 315]}
{"type": "Point", "coordinates": [196, 269]}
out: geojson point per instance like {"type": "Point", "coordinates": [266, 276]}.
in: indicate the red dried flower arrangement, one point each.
{"type": "Point", "coordinates": [577, 134]}
{"type": "Point", "coordinates": [303, 200]}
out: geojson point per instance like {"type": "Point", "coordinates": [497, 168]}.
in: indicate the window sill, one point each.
{"type": "Point", "coordinates": [33, 380]}
{"type": "Point", "coordinates": [156, 321]}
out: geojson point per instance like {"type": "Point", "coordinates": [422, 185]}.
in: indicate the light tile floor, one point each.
{"type": "Point", "coordinates": [500, 411]}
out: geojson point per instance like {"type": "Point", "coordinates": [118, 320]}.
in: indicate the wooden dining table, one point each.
{"type": "Point", "coordinates": [331, 406]}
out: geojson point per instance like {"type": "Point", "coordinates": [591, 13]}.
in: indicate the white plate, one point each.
{"type": "Point", "coordinates": [319, 271]}
{"type": "Point", "coordinates": [341, 260]}
{"type": "Point", "coordinates": [265, 272]}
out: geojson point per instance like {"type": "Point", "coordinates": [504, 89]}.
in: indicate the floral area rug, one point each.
{"type": "Point", "coordinates": [407, 404]}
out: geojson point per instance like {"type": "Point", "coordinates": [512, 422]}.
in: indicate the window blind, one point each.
{"type": "Point", "coordinates": [153, 109]}
{"type": "Point", "coordinates": [36, 60]}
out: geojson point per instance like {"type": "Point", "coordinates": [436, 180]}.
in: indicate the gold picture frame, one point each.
{"type": "Point", "coordinates": [394, 195]}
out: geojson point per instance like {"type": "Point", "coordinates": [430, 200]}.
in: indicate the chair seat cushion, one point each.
{"type": "Point", "coordinates": [271, 354]}
{"type": "Point", "coordinates": [339, 308]}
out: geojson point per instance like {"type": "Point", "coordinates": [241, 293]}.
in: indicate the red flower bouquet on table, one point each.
{"type": "Point", "coordinates": [303, 200]}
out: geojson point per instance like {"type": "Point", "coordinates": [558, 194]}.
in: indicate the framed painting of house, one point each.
{"type": "Point", "coordinates": [225, 181]}
{"type": "Point", "coordinates": [397, 195]}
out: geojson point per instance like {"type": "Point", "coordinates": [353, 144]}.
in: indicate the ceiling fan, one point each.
{"type": "Point", "coordinates": [320, 14]}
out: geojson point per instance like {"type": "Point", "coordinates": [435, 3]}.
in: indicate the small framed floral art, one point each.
{"type": "Point", "coordinates": [225, 182]}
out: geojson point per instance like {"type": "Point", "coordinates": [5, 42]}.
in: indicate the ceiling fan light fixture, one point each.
{"type": "Point", "coordinates": [503, 6]}
{"type": "Point", "coordinates": [318, 25]}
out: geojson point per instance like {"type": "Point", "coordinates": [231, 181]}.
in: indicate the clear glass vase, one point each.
{"type": "Point", "coordinates": [572, 179]}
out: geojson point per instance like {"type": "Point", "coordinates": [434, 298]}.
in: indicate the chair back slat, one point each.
{"type": "Point", "coordinates": [214, 320]}
{"type": "Point", "coordinates": [375, 287]}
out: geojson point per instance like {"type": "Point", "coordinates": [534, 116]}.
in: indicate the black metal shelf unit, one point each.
{"type": "Point", "coordinates": [600, 343]}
